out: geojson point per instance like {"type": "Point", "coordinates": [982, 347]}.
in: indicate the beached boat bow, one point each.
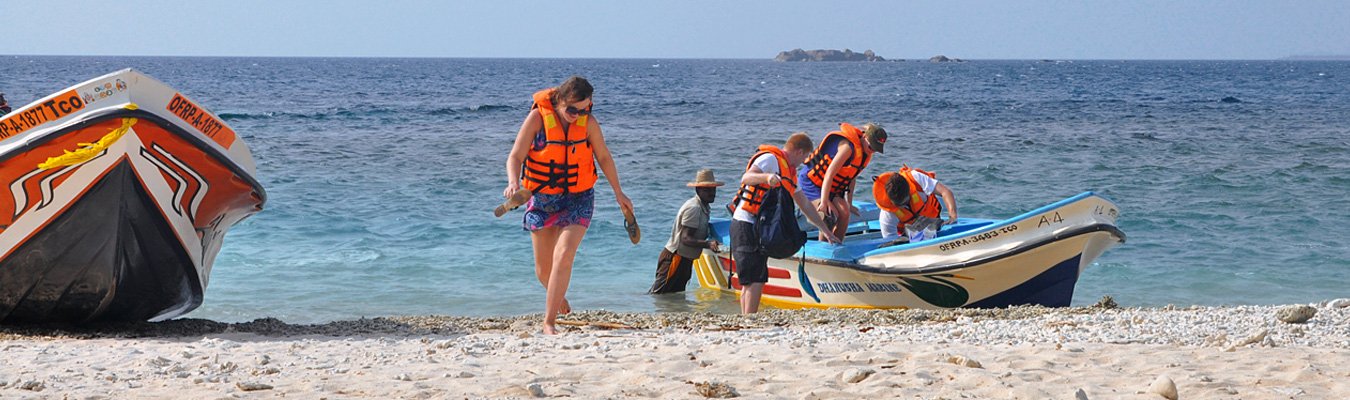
{"type": "Point", "coordinates": [120, 192]}
{"type": "Point", "coordinates": [1034, 258]}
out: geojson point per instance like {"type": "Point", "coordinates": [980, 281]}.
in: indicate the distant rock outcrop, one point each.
{"type": "Point", "coordinates": [941, 59]}
{"type": "Point", "coordinates": [826, 55]}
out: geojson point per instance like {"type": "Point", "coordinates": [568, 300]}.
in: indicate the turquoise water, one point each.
{"type": "Point", "coordinates": [1231, 176]}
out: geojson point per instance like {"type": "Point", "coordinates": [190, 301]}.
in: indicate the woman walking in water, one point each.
{"type": "Point", "coordinates": [558, 147]}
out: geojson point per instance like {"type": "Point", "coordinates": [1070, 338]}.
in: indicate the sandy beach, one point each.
{"type": "Point", "coordinates": [1098, 352]}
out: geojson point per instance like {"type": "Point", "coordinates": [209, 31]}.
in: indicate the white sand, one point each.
{"type": "Point", "coordinates": [1235, 352]}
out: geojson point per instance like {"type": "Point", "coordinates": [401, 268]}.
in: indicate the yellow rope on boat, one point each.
{"type": "Point", "coordinates": [88, 151]}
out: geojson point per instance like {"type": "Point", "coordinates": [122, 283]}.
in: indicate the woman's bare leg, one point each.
{"type": "Point", "coordinates": [560, 275]}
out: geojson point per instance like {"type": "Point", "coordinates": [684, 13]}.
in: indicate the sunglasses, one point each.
{"type": "Point", "coordinates": [578, 111]}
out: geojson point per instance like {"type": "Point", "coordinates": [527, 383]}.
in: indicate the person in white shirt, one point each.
{"type": "Point", "coordinates": [908, 194]}
{"type": "Point", "coordinates": [770, 167]}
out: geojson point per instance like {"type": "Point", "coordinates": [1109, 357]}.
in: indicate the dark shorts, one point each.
{"type": "Point", "coordinates": [751, 265]}
{"type": "Point", "coordinates": [672, 273]}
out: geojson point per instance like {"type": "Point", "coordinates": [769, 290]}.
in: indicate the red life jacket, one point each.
{"type": "Point", "coordinates": [565, 163]}
{"type": "Point", "coordinates": [753, 195]}
{"type": "Point", "coordinates": [820, 160]}
{"type": "Point", "coordinates": [906, 209]}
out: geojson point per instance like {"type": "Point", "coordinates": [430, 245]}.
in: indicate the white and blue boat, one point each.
{"type": "Point", "coordinates": [1031, 259]}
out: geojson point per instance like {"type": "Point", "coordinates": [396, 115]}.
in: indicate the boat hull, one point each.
{"type": "Point", "coordinates": [128, 230]}
{"type": "Point", "coordinates": [1035, 259]}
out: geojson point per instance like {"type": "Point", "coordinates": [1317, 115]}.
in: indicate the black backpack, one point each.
{"type": "Point", "coordinates": [776, 224]}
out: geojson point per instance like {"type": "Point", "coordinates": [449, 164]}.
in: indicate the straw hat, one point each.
{"type": "Point", "coordinates": [704, 178]}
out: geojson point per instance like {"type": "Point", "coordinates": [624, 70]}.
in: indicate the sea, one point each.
{"type": "Point", "coordinates": [1232, 177]}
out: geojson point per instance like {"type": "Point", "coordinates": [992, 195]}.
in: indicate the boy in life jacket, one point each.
{"type": "Point", "coordinates": [908, 194]}
{"type": "Point", "coordinates": [831, 172]}
{"type": "Point", "coordinates": [770, 167]}
{"type": "Point", "coordinates": [4, 105]}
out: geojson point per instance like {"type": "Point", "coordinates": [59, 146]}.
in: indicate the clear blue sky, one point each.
{"type": "Point", "coordinates": [1151, 29]}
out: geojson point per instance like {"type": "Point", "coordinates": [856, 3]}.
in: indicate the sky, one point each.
{"type": "Point", "coordinates": [1096, 29]}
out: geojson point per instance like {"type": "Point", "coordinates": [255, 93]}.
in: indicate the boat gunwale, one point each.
{"type": "Point", "coordinates": [97, 116]}
{"type": "Point", "coordinates": [1109, 228]}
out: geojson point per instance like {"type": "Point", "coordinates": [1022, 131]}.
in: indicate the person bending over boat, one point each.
{"type": "Point", "coordinates": [4, 106]}
{"type": "Point", "coordinates": [770, 167]}
{"type": "Point", "coordinates": [688, 237]}
{"type": "Point", "coordinates": [907, 195]}
{"type": "Point", "coordinates": [558, 147]}
{"type": "Point", "coordinates": [830, 173]}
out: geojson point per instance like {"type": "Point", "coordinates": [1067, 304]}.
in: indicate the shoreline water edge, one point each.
{"type": "Point", "coordinates": [1101, 351]}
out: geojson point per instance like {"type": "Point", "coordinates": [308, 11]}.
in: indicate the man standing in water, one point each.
{"type": "Point", "coordinates": [688, 237]}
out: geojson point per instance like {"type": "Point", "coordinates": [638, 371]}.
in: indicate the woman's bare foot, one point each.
{"type": "Point", "coordinates": [549, 329]}
{"type": "Point", "coordinates": [566, 308]}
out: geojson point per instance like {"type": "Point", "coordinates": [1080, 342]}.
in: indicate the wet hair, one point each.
{"type": "Point", "coordinates": [799, 141]}
{"type": "Point", "coordinates": [897, 188]}
{"type": "Point", "coordinates": [573, 90]}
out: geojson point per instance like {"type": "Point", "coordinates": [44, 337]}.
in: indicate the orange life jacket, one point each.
{"type": "Point", "coordinates": [820, 160]}
{"type": "Point", "coordinates": [753, 195]}
{"type": "Point", "coordinates": [906, 209]}
{"type": "Point", "coordinates": [564, 162]}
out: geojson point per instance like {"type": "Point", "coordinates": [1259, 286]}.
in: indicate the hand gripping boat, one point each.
{"type": "Point", "coordinates": [120, 190]}
{"type": "Point", "coordinates": [1034, 258]}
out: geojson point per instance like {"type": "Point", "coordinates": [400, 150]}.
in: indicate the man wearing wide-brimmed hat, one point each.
{"type": "Point", "coordinates": [688, 236]}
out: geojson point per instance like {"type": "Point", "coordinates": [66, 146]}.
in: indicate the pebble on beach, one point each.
{"type": "Point", "coordinates": [715, 390]}
{"type": "Point", "coordinates": [252, 386]}
{"type": "Point", "coordinates": [962, 361]}
{"type": "Point", "coordinates": [856, 375]}
{"type": "Point", "coordinates": [1296, 314]}
{"type": "Point", "coordinates": [1163, 386]}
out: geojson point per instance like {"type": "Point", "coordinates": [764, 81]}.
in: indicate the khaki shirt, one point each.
{"type": "Point", "coordinates": [692, 215]}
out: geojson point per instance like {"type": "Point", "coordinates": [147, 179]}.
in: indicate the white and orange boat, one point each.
{"type": "Point", "coordinates": [1031, 259]}
{"type": "Point", "coordinates": [121, 190]}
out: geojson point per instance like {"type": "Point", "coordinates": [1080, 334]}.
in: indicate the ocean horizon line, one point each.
{"type": "Point", "coordinates": [888, 60]}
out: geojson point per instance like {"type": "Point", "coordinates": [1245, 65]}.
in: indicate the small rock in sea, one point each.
{"type": "Point", "coordinates": [1163, 386]}
{"type": "Point", "coordinates": [1230, 99]}
{"type": "Point", "coordinates": [962, 361]}
{"type": "Point", "coordinates": [1296, 314]}
{"type": "Point", "coordinates": [715, 390]}
{"type": "Point", "coordinates": [252, 386]}
{"type": "Point", "coordinates": [1338, 303]}
{"type": "Point", "coordinates": [1080, 395]}
{"type": "Point", "coordinates": [856, 375]}
{"type": "Point", "coordinates": [535, 390]}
